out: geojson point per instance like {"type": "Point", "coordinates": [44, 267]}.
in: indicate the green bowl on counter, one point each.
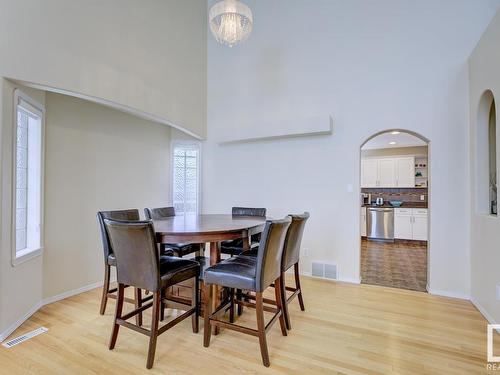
{"type": "Point", "coordinates": [396, 203]}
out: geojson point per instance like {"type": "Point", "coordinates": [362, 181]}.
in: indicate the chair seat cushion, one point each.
{"type": "Point", "coordinates": [235, 247]}
{"type": "Point", "coordinates": [182, 249]}
{"type": "Point", "coordinates": [237, 272]}
{"type": "Point", "coordinates": [252, 252]}
{"type": "Point", "coordinates": [174, 270]}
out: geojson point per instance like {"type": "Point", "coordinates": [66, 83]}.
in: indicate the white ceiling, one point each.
{"type": "Point", "coordinates": [402, 140]}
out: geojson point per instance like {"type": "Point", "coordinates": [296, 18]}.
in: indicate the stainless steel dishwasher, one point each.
{"type": "Point", "coordinates": [380, 223]}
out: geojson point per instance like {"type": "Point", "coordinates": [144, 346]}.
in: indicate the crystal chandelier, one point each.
{"type": "Point", "coordinates": [230, 22]}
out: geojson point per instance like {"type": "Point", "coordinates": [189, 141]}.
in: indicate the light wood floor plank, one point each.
{"type": "Point", "coordinates": [346, 329]}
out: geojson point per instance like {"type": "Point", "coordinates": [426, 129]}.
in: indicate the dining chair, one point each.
{"type": "Point", "coordinates": [291, 255]}
{"type": "Point", "coordinates": [179, 249]}
{"type": "Point", "coordinates": [138, 264]}
{"type": "Point", "coordinates": [249, 273]}
{"type": "Point", "coordinates": [110, 260]}
{"type": "Point", "coordinates": [235, 247]}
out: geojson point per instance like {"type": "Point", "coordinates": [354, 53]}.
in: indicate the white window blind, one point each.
{"type": "Point", "coordinates": [28, 177]}
{"type": "Point", "coordinates": [186, 171]}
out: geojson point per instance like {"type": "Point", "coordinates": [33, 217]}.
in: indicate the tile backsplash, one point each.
{"type": "Point", "coordinates": [398, 194]}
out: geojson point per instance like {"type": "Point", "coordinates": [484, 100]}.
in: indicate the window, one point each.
{"type": "Point", "coordinates": [28, 174]}
{"type": "Point", "coordinates": [186, 175]}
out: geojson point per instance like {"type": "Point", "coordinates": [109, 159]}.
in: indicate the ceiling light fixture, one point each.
{"type": "Point", "coordinates": [395, 132]}
{"type": "Point", "coordinates": [230, 22]}
{"type": "Point", "coordinates": [392, 143]}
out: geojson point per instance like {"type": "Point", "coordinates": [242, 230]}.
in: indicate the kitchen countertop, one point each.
{"type": "Point", "coordinates": [405, 205]}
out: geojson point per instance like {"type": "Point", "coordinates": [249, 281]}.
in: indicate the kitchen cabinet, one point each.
{"type": "Point", "coordinates": [388, 172]}
{"type": "Point", "coordinates": [403, 224]}
{"type": "Point", "coordinates": [410, 223]}
{"type": "Point", "coordinates": [405, 172]}
{"type": "Point", "coordinates": [363, 222]}
{"type": "Point", "coordinates": [420, 224]}
{"type": "Point", "coordinates": [369, 173]}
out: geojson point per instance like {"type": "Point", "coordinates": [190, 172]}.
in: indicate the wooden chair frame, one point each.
{"type": "Point", "coordinates": [297, 292]}
{"type": "Point", "coordinates": [112, 293]}
{"type": "Point", "coordinates": [210, 319]}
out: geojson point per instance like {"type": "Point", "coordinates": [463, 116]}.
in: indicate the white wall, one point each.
{"type": "Point", "coordinates": [146, 56]}
{"type": "Point", "coordinates": [485, 237]}
{"type": "Point", "coordinates": [96, 159]}
{"type": "Point", "coordinates": [20, 286]}
{"type": "Point", "coordinates": [372, 66]}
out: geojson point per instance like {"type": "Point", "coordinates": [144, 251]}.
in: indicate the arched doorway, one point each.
{"type": "Point", "coordinates": [395, 210]}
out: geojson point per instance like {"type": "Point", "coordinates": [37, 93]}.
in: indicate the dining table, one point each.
{"type": "Point", "coordinates": [208, 228]}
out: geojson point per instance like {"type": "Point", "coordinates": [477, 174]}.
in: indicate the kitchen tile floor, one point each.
{"type": "Point", "coordinates": [402, 264]}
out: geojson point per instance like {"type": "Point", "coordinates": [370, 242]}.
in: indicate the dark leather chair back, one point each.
{"type": "Point", "coordinates": [270, 252]}
{"type": "Point", "coordinates": [159, 213]}
{"type": "Point", "coordinates": [117, 215]}
{"type": "Point", "coordinates": [291, 250]}
{"type": "Point", "coordinates": [137, 259]}
{"type": "Point", "coordinates": [248, 211]}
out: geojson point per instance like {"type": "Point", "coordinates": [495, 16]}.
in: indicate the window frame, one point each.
{"type": "Point", "coordinates": [36, 108]}
{"type": "Point", "coordinates": [186, 144]}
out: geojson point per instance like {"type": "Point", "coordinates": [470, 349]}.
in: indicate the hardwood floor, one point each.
{"type": "Point", "coordinates": [400, 264]}
{"type": "Point", "coordinates": [346, 329]}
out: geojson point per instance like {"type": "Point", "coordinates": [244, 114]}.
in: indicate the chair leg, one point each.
{"type": "Point", "coordinates": [194, 317]}
{"type": "Point", "coordinates": [239, 295]}
{"type": "Point", "coordinates": [154, 329]}
{"type": "Point", "coordinates": [280, 304]}
{"type": "Point", "coordinates": [118, 314]}
{"type": "Point", "coordinates": [284, 302]}
{"type": "Point", "coordinates": [297, 285]}
{"type": "Point", "coordinates": [231, 308]}
{"type": "Point", "coordinates": [162, 305]}
{"type": "Point", "coordinates": [261, 327]}
{"type": "Point", "coordinates": [105, 289]}
{"type": "Point", "coordinates": [207, 329]}
{"type": "Point", "coordinates": [138, 303]}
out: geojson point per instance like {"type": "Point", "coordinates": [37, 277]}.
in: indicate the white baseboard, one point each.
{"type": "Point", "coordinates": [17, 324]}
{"type": "Point", "coordinates": [446, 293]}
{"type": "Point", "coordinates": [341, 279]}
{"type": "Point", "coordinates": [483, 311]}
{"type": "Point", "coordinates": [351, 280]}
{"type": "Point", "coordinates": [47, 301]}
{"type": "Point", "coordinates": [70, 293]}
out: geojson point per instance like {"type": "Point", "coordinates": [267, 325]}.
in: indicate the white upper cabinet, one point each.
{"type": "Point", "coordinates": [405, 172]}
{"type": "Point", "coordinates": [388, 172]}
{"type": "Point", "coordinates": [369, 173]}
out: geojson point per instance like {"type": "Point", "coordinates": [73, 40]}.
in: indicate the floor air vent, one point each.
{"type": "Point", "coordinates": [324, 270]}
{"type": "Point", "coordinates": [27, 336]}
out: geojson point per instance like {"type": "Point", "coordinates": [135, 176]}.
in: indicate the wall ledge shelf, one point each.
{"type": "Point", "coordinates": [272, 137]}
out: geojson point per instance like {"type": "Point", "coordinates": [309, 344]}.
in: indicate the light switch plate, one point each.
{"type": "Point", "coordinates": [422, 197]}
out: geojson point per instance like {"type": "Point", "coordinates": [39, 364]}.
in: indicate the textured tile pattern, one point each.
{"type": "Point", "coordinates": [407, 195]}
{"type": "Point", "coordinates": [402, 264]}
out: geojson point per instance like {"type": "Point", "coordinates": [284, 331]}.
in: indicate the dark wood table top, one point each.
{"type": "Point", "coordinates": [208, 224]}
